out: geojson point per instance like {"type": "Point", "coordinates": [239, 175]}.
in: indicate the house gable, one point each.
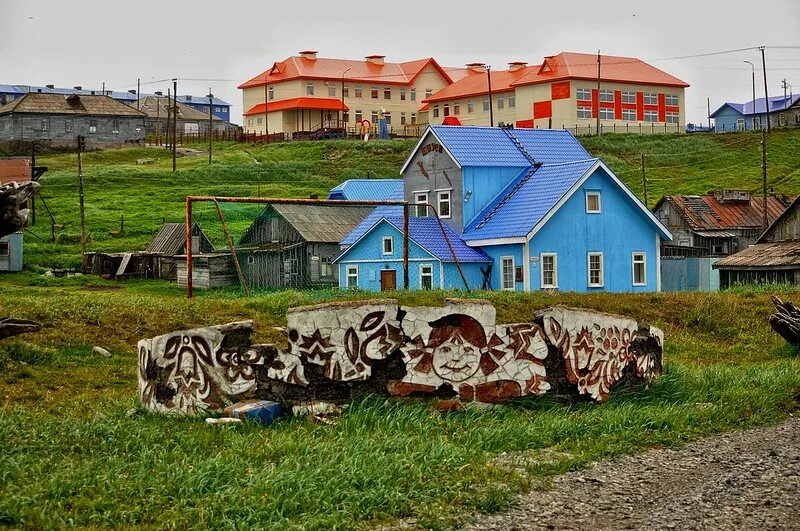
{"type": "Point", "coordinates": [269, 227]}
{"type": "Point", "coordinates": [369, 247]}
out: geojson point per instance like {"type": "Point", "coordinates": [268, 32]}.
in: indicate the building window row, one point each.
{"type": "Point", "coordinates": [628, 115]}
{"type": "Point", "coordinates": [595, 274]}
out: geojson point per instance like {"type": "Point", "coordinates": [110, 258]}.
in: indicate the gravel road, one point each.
{"type": "Point", "coordinates": [742, 480]}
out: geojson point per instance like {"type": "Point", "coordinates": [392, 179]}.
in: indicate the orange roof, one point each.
{"type": "Point", "coordinates": [297, 67]}
{"type": "Point", "coordinates": [476, 83]}
{"type": "Point", "coordinates": [327, 104]}
{"type": "Point", "coordinates": [571, 65]}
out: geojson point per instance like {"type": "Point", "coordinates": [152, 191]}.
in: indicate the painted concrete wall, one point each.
{"type": "Point", "coordinates": [470, 110]}
{"type": "Point", "coordinates": [618, 231]}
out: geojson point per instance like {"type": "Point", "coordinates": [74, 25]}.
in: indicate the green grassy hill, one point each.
{"type": "Point", "coordinates": [146, 195]}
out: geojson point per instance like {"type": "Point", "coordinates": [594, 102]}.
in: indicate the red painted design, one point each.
{"type": "Point", "coordinates": [618, 105]}
{"type": "Point", "coordinates": [640, 106]}
{"type": "Point", "coordinates": [662, 104]}
{"type": "Point", "coordinates": [629, 105]}
{"type": "Point", "coordinates": [595, 102]}
{"type": "Point", "coordinates": [672, 108]}
{"type": "Point", "coordinates": [584, 103]}
{"type": "Point", "coordinates": [524, 124]}
{"type": "Point", "coordinates": [560, 91]}
{"type": "Point", "coordinates": [398, 388]}
{"type": "Point", "coordinates": [543, 109]}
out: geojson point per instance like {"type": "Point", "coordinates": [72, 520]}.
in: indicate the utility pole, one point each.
{"type": "Point", "coordinates": [752, 66]}
{"type": "Point", "coordinates": [138, 91]}
{"type": "Point", "coordinates": [708, 106]}
{"type": "Point", "coordinates": [766, 92]}
{"type": "Point", "coordinates": [104, 88]}
{"type": "Point", "coordinates": [158, 122]}
{"type": "Point", "coordinates": [644, 182]}
{"type": "Point", "coordinates": [764, 174]}
{"type": "Point", "coordinates": [81, 145]}
{"type": "Point", "coordinates": [489, 80]}
{"type": "Point", "coordinates": [344, 126]}
{"type": "Point", "coordinates": [598, 93]}
{"type": "Point", "coordinates": [210, 122]}
{"type": "Point", "coordinates": [33, 174]}
{"type": "Point", "coordinates": [166, 129]}
{"type": "Point", "coordinates": [266, 100]}
{"type": "Point", "coordinates": [174, 123]}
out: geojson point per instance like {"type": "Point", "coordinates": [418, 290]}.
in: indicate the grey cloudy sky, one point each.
{"type": "Point", "coordinates": [88, 42]}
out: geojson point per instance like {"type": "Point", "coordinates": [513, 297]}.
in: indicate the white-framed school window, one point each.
{"type": "Point", "coordinates": [388, 245]}
{"type": "Point", "coordinates": [351, 280]}
{"type": "Point", "coordinates": [426, 277]}
{"type": "Point", "coordinates": [507, 271]}
{"type": "Point", "coordinates": [594, 266]}
{"type": "Point", "coordinates": [639, 268]}
{"type": "Point", "coordinates": [549, 270]}
{"type": "Point", "coordinates": [593, 205]}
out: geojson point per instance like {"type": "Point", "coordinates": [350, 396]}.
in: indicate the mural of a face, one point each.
{"type": "Point", "coordinates": [456, 359]}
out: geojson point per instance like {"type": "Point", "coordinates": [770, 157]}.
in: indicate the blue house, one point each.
{"type": "Point", "coordinates": [522, 209]}
{"type": "Point", "coordinates": [366, 189]}
{"type": "Point", "coordinates": [784, 111]}
{"type": "Point", "coordinates": [220, 108]}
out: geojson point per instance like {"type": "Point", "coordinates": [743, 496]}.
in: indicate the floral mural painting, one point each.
{"type": "Point", "coordinates": [339, 351]}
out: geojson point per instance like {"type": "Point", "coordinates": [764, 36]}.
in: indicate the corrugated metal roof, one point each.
{"type": "Point", "coordinates": [322, 223]}
{"type": "Point", "coordinates": [778, 254]}
{"type": "Point", "coordinates": [171, 239]}
{"type": "Point", "coordinates": [384, 211]}
{"type": "Point", "coordinates": [156, 107]}
{"type": "Point", "coordinates": [516, 212]}
{"type": "Point", "coordinates": [365, 189]}
{"type": "Point", "coordinates": [35, 103]}
{"type": "Point", "coordinates": [776, 104]}
{"type": "Point", "coordinates": [117, 95]}
{"type": "Point", "coordinates": [330, 104]}
{"type": "Point", "coordinates": [706, 212]}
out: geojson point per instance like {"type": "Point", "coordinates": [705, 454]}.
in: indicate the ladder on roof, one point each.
{"type": "Point", "coordinates": [519, 145]}
{"type": "Point", "coordinates": [525, 178]}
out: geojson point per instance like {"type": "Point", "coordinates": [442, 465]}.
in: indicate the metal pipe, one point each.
{"type": "Point", "coordinates": [752, 66]}
{"type": "Point", "coordinates": [405, 247]}
{"type": "Point", "coordinates": [293, 201]}
{"type": "Point", "coordinates": [766, 92]}
{"type": "Point", "coordinates": [188, 247]}
{"type": "Point", "coordinates": [233, 251]}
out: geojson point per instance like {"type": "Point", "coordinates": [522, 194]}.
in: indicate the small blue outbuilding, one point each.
{"type": "Point", "coordinates": [523, 210]}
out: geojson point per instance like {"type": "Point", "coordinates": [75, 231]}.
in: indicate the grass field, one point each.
{"type": "Point", "coordinates": [145, 195]}
{"type": "Point", "coordinates": [76, 450]}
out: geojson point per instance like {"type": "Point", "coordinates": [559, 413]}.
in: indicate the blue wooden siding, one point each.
{"type": "Point", "coordinates": [726, 120]}
{"type": "Point", "coordinates": [496, 252]}
{"type": "Point", "coordinates": [484, 183]}
{"type": "Point", "coordinates": [621, 229]}
{"type": "Point", "coordinates": [452, 278]}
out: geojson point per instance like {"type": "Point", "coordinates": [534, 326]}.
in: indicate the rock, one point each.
{"type": "Point", "coordinates": [101, 351]}
{"type": "Point", "coordinates": [222, 421]}
{"type": "Point", "coordinates": [13, 205]}
{"type": "Point", "coordinates": [10, 326]}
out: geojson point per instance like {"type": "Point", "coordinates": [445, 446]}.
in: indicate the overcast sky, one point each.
{"type": "Point", "coordinates": [88, 42]}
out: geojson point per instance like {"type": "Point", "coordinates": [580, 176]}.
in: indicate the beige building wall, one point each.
{"type": "Point", "coordinates": [504, 105]}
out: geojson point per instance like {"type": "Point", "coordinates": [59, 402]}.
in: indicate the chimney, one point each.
{"type": "Point", "coordinates": [188, 97]}
{"type": "Point", "coordinates": [516, 65]}
{"type": "Point", "coordinates": [78, 87]}
{"type": "Point", "coordinates": [308, 54]}
{"type": "Point", "coordinates": [476, 67]}
{"type": "Point", "coordinates": [375, 59]}
{"type": "Point", "coordinates": [50, 86]}
{"type": "Point", "coordinates": [132, 91]}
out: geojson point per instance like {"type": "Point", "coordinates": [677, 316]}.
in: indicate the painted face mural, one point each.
{"type": "Point", "coordinates": [456, 342]}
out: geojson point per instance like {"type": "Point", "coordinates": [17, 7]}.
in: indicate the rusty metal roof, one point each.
{"type": "Point", "coordinates": [707, 212]}
{"type": "Point", "coordinates": [17, 170]}
{"type": "Point", "coordinates": [40, 103]}
{"type": "Point", "coordinates": [785, 254]}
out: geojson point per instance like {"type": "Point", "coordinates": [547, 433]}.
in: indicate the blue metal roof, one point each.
{"type": "Point", "coordinates": [776, 104]}
{"type": "Point", "coordinates": [529, 198]}
{"type": "Point", "coordinates": [374, 216]}
{"type": "Point", "coordinates": [200, 100]}
{"type": "Point", "coordinates": [367, 189]}
{"type": "Point", "coordinates": [493, 146]}
{"type": "Point", "coordinates": [117, 95]}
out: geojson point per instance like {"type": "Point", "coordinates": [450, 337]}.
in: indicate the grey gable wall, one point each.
{"type": "Point", "coordinates": [432, 170]}
{"type": "Point", "coordinates": [26, 126]}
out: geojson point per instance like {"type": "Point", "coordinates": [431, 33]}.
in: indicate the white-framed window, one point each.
{"type": "Point", "coordinates": [606, 95]}
{"type": "Point", "coordinates": [413, 94]}
{"type": "Point", "coordinates": [512, 101]}
{"type": "Point", "coordinates": [325, 269]}
{"type": "Point", "coordinates": [345, 117]}
{"type": "Point", "coordinates": [639, 268]}
{"type": "Point", "coordinates": [271, 93]}
{"type": "Point", "coordinates": [359, 115]}
{"type": "Point", "coordinates": [671, 99]}
{"type": "Point", "coordinates": [583, 94]}
{"type": "Point", "coordinates": [486, 103]}
{"type": "Point", "coordinates": [650, 98]}
{"type": "Point", "coordinates": [422, 198]}
{"type": "Point", "coordinates": [470, 107]}
{"type": "Point", "coordinates": [346, 91]}
{"type": "Point", "coordinates": [507, 271]}
{"type": "Point", "coordinates": [402, 118]}
{"type": "Point", "coordinates": [435, 111]}
{"type": "Point", "coordinates": [426, 277]}
{"type": "Point", "coordinates": [92, 126]}
{"type": "Point", "coordinates": [374, 117]}
{"type": "Point", "coordinates": [373, 93]}
{"type": "Point", "coordinates": [443, 203]}
{"type": "Point", "coordinates": [310, 88]}
{"type": "Point", "coordinates": [359, 91]}
{"type": "Point", "coordinates": [549, 270]}
{"type": "Point", "coordinates": [593, 205]}
{"type": "Point", "coordinates": [446, 109]}
{"type": "Point", "coordinates": [413, 118]}
{"type": "Point", "coordinates": [428, 93]}
{"type": "Point", "coordinates": [740, 124]}
{"type": "Point", "coordinates": [115, 126]}
{"type": "Point", "coordinates": [388, 117]}
{"type": "Point", "coordinates": [45, 124]}
{"type": "Point", "coordinates": [388, 245]}
{"type": "Point", "coordinates": [501, 102]}
{"type": "Point", "coordinates": [68, 125]}
{"type": "Point", "coordinates": [331, 90]}
{"type": "Point", "coordinates": [650, 116]}
{"type": "Point", "coordinates": [672, 117]}
{"type": "Point", "coordinates": [595, 270]}
{"type": "Point", "coordinates": [456, 109]}
{"type": "Point", "coordinates": [250, 258]}
{"type": "Point", "coordinates": [403, 94]}
{"type": "Point", "coordinates": [628, 97]}
{"type": "Point", "coordinates": [259, 120]}
{"type": "Point", "coordinates": [629, 115]}
{"type": "Point", "coordinates": [584, 112]}
{"type": "Point", "coordinates": [351, 278]}
{"type": "Point", "coordinates": [606, 113]}
{"type": "Point", "coordinates": [218, 109]}
{"type": "Point", "coordinates": [387, 93]}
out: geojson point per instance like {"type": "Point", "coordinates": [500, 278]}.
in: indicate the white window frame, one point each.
{"type": "Point", "coordinates": [594, 193]}
{"type": "Point", "coordinates": [309, 88]}
{"type": "Point", "coordinates": [606, 113]}
{"type": "Point", "coordinates": [501, 103]}
{"type": "Point", "coordinates": [412, 94]}
{"type": "Point", "coordinates": [359, 91]}
{"type": "Point", "coordinates": [403, 94]}
{"type": "Point", "coordinates": [331, 90]}
{"type": "Point", "coordinates": [650, 98]}
{"type": "Point", "coordinates": [583, 94]}
{"type": "Point", "coordinates": [584, 113]}
{"type": "Point", "coordinates": [628, 97]}
{"type": "Point", "coordinates": [402, 118]}
{"type": "Point", "coordinates": [390, 241]}
{"type": "Point", "coordinates": [271, 93]}
{"type": "Point", "coordinates": [554, 256]}
{"type": "Point", "coordinates": [448, 201]}
{"type": "Point", "coordinates": [435, 111]}
{"type": "Point", "coordinates": [629, 115]}
{"type": "Point", "coordinates": [93, 125]}
{"type": "Point", "coordinates": [115, 126]}
{"type": "Point", "coordinates": [589, 282]}
{"type": "Point", "coordinates": [374, 93]}
{"type": "Point", "coordinates": [421, 197]}
{"type": "Point", "coordinates": [470, 107]}
{"type": "Point", "coordinates": [634, 262]}
{"type": "Point", "coordinates": [486, 103]}
{"type": "Point", "coordinates": [387, 93]}
{"type": "Point", "coordinates": [325, 267]}
{"type": "Point", "coordinates": [606, 95]}
{"type": "Point", "coordinates": [651, 116]}
{"type": "Point", "coordinates": [513, 286]}
{"type": "Point", "coordinates": [672, 117]}
{"type": "Point", "coordinates": [671, 100]}
{"type": "Point", "coordinates": [422, 274]}
{"type": "Point", "coordinates": [351, 271]}
{"type": "Point", "coordinates": [512, 101]}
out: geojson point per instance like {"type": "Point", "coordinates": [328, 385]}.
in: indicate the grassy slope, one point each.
{"type": "Point", "coordinates": [146, 195]}
{"type": "Point", "coordinates": [70, 452]}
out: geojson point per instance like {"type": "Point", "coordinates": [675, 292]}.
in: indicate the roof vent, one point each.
{"type": "Point", "coordinates": [308, 54]}
{"type": "Point", "coordinates": [73, 99]}
{"type": "Point", "coordinates": [375, 59]}
{"type": "Point", "coordinates": [516, 65]}
{"type": "Point", "coordinates": [188, 97]}
{"type": "Point", "coordinates": [78, 87]}
{"type": "Point", "coordinates": [476, 67]}
{"type": "Point", "coordinates": [132, 91]}
{"type": "Point", "coordinates": [159, 93]}
{"type": "Point", "coordinates": [50, 86]}
{"type": "Point", "coordinates": [92, 93]}
{"type": "Point", "coordinates": [729, 196]}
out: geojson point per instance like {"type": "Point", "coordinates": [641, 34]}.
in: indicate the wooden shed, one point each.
{"type": "Point", "coordinates": [295, 245]}
{"type": "Point", "coordinates": [211, 270]}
